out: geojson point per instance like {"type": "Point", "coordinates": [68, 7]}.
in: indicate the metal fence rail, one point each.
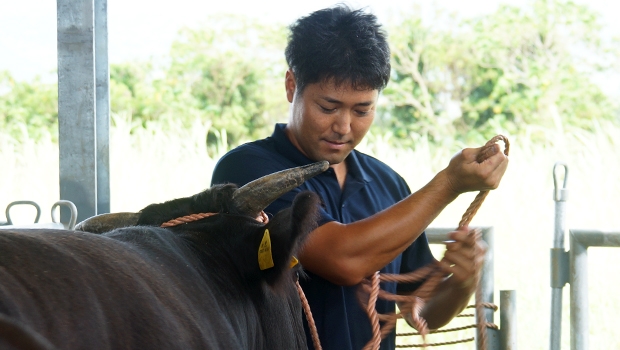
{"type": "Point", "coordinates": [572, 267]}
{"type": "Point", "coordinates": [580, 241]}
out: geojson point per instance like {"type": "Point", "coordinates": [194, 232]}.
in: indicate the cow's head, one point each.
{"type": "Point", "coordinates": [250, 199]}
{"type": "Point", "coordinates": [233, 239]}
{"type": "Point", "coordinates": [252, 263]}
{"type": "Point", "coordinates": [234, 236]}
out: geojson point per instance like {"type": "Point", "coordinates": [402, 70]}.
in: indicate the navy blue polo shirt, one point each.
{"type": "Point", "coordinates": [370, 187]}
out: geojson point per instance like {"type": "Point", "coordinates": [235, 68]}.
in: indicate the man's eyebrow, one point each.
{"type": "Point", "coordinates": [332, 100]}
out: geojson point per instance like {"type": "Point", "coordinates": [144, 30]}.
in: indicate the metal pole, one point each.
{"type": "Point", "coordinates": [488, 271]}
{"type": "Point", "coordinates": [487, 282]}
{"type": "Point", "coordinates": [508, 319]}
{"type": "Point", "coordinates": [559, 261]}
{"type": "Point", "coordinates": [579, 326]}
{"type": "Point", "coordinates": [76, 105]}
{"type": "Point", "coordinates": [102, 74]}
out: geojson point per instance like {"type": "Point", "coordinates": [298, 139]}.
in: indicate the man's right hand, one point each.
{"type": "Point", "coordinates": [465, 174]}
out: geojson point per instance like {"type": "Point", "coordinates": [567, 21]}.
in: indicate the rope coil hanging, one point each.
{"type": "Point", "coordinates": [433, 275]}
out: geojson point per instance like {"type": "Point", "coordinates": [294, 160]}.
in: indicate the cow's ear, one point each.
{"type": "Point", "coordinates": [281, 239]}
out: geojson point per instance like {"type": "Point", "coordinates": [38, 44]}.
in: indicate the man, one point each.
{"type": "Point", "coordinates": [338, 63]}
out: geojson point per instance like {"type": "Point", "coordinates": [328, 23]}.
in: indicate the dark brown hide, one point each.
{"type": "Point", "coordinates": [194, 286]}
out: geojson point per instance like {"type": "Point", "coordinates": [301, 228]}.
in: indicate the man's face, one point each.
{"type": "Point", "coordinates": [327, 122]}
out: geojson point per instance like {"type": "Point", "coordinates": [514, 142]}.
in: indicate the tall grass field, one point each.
{"type": "Point", "coordinates": [156, 163]}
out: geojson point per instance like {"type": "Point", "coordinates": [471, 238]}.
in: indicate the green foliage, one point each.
{"type": "Point", "coordinates": [227, 73]}
{"type": "Point", "coordinates": [516, 71]}
{"type": "Point", "coordinates": [27, 110]}
{"type": "Point", "coordinates": [500, 72]}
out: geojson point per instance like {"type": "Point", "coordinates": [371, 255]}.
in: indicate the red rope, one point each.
{"type": "Point", "coordinates": [433, 276]}
{"type": "Point", "coordinates": [262, 217]}
{"type": "Point", "coordinates": [186, 219]}
{"type": "Point", "coordinates": [309, 318]}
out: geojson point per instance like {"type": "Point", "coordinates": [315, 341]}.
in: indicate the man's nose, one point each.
{"type": "Point", "coordinates": [342, 124]}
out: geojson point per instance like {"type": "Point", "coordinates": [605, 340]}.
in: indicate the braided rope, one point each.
{"type": "Point", "coordinates": [262, 217]}
{"type": "Point", "coordinates": [434, 276]}
{"type": "Point", "coordinates": [466, 340]}
{"type": "Point", "coordinates": [309, 318]}
{"type": "Point", "coordinates": [448, 330]}
{"type": "Point", "coordinates": [467, 217]}
{"type": "Point", "coordinates": [487, 305]}
{"type": "Point", "coordinates": [187, 218]}
{"type": "Point", "coordinates": [419, 322]}
{"type": "Point", "coordinates": [372, 313]}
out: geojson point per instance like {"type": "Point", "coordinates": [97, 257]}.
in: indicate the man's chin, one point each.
{"type": "Point", "coordinates": [334, 160]}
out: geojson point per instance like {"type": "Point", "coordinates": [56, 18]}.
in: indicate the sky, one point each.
{"type": "Point", "coordinates": [139, 29]}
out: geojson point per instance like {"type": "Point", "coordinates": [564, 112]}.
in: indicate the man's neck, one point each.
{"type": "Point", "coordinates": [341, 172]}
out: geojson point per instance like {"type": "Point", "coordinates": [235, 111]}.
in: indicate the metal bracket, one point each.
{"type": "Point", "coordinates": [559, 267]}
{"type": "Point", "coordinates": [12, 204]}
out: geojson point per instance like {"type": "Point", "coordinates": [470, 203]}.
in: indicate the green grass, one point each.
{"type": "Point", "coordinates": [160, 162]}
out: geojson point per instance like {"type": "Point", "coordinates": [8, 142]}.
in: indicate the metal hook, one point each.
{"type": "Point", "coordinates": [71, 207]}
{"type": "Point", "coordinates": [560, 194]}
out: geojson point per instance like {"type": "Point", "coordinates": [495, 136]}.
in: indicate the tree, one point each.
{"type": "Point", "coordinates": [28, 110]}
{"type": "Point", "coordinates": [227, 73]}
{"type": "Point", "coordinates": [515, 68]}
{"type": "Point", "coordinates": [233, 68]}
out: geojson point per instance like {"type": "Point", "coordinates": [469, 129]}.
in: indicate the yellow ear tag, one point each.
{"type": "Point", "coordinates": [294, 262]}
{"type": "Point", "coordinates": [265, 259]}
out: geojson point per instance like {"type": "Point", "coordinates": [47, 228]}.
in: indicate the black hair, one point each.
{"type": "Point", "coordinates": [339, 44]}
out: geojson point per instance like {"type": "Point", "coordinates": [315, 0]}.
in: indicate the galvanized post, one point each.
{"type": "Point", "coordinates": [508, 319]}
{"type": "Point", "coordinates": [559, 258]}
{"type": "Point", "coordinates": [76, 105]}
{"type": "Point", "coordinates": [579, 326]}
{"type": "Point", "coordinates": [488, 271]}
{"type": "Point", "coordinates": [102, 74]}
{"type": "Point", "coordinates": [487, 282]}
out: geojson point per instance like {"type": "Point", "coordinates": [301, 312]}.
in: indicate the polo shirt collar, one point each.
{"type": "Point", "coordinates": [287, 149]}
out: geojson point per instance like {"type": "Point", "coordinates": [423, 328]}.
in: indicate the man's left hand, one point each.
{"type": "Point", "coordinates": [464, 256]}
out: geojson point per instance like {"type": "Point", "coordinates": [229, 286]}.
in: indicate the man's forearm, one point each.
{"type": "Point", "coordinates": [450, 299]}
{"type": "Point", "coordinates": [345, 254]}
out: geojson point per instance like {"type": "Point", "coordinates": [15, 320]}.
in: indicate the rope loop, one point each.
{"type": "Point", "coordinates": [433, 276]}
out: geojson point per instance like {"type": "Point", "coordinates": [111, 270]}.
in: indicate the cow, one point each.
{"type": "Point", "coordinates": [197, 285]}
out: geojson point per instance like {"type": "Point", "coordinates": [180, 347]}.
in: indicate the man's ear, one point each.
{"type": "Point", "coordinates": [290, 84]}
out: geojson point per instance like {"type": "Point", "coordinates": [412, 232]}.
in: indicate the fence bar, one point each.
{"type": "Point", "coordinates": [580, 241]}
{"type": "Point", "coordinates": [508, 319]}
{"type": "Point", "coordinates": [102, 75]}
{"type": "Point", "coordinates": [578, 295]}
{"type": "Point", "coordinates": [559, 263]}
{"type": "Point", "coordinates": [597, 238]}
{"type": "Point", "coordinates": [76, 105]}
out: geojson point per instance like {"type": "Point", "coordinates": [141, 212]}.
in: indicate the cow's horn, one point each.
{"type": "Point", "coordinates": [107, 222]}
{"type": "Point", "coordinates": [258, 194]}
